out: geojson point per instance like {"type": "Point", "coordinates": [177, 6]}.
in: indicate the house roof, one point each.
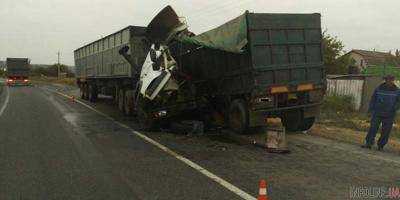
{"type": "Point", "coordinates": [375, 57]}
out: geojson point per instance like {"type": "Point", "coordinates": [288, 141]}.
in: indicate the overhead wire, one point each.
{"type": "Point", "coordinates": [211, 7]}
{"type": "Point", "coordinates": [218, 9]}
{"type": "Point", "coordinates": [205, 18]}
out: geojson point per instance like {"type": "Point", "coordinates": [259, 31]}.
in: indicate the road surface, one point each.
{"type": "Point", "coordinates": [53, 148]}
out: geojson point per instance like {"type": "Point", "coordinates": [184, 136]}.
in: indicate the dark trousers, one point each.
{"type": "Point", "coordinates": [376, 121]}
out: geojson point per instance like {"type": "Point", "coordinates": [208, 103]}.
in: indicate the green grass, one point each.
{"type": "Point", "coordinates": [339, 111]}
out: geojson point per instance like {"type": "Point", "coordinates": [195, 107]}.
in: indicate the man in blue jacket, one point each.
{"type": "Point", "coordinates": [383, 106]}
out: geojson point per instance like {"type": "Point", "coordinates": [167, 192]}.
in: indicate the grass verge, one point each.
{"type": "Point", "coordinates": [339, 121]}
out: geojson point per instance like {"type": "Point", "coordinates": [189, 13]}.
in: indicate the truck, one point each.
{"type": "Point", "coordinates": [18, 71]}
{"type": "Point", "coordinates": [253, 67]}
{"type": "Point", "coordinates": [100, 69]}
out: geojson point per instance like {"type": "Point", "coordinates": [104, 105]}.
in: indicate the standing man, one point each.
{"type": "Point", "coordinates": [383, 106]}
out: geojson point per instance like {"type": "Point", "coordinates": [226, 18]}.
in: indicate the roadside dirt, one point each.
{"type": "Point", "coordinates": [349, 136]}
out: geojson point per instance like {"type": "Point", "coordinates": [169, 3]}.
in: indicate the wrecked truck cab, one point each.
{"type": "Point", "coordinates": [156, 72]}
{"type": "Point", "coordinates": [162, 91]}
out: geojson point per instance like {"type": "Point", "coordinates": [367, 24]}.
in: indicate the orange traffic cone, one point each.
{"type": "Point", "coordinates": [262, 194]}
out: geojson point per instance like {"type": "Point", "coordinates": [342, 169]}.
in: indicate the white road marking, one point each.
{"type": "Point", "coordinates": [5, 102]}
{"type": "Point", "coordinates": [188, 162]}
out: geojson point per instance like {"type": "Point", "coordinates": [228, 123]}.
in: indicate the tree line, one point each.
{"type": "Point", "coordinates": [335, 60]}
{"type": "Point", "coordinates": [52, 71]}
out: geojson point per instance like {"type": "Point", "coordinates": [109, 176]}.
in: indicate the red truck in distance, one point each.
{"type": "Point", "coordinates": [18, 71]}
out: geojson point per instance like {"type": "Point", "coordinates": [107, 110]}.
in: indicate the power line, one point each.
{"type": "Point", "coordinates": [204, 19]}
{"type": "Point", "coordinates": [215, 10]}
{"type": "Point", "coordinates": [211, 7]}
{"type": "Point", "coordinates": [58, 64]}
{"type": "Point", "coordinates": [218, 12]}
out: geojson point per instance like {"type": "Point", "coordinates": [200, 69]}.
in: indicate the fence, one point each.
{"type": "Point", "coordinates": [353, 88]}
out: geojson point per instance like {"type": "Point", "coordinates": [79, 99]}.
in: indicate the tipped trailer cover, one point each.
{"type": "Point", "coordinates": [231, 36]}
{"type": "Point", "coordinates": [164, 25]}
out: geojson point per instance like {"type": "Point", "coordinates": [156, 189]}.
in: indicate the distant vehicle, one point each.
{"type": "Point", "coordinates": [18, 71]}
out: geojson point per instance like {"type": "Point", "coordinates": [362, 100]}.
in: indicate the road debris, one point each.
{"type": "Point", "coordinates": [188, 127]}
{"type": "Point", "coordinates": [276, 141]}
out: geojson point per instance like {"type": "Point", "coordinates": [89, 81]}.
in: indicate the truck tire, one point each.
{"type": "Point", "coordinates": [238, 117]}
{"type": "Point", "coordinates": [306, 124]}
{"type": "Point", "coordinates": [93, 94]}
{"type": "Point", "coordinates": [292, 120]}
{"type": "Point", "coordinates": [84, 92]}
{"type": "Point", "coordinates": [146, 121]}
{"type": "Point", "coordinates": [128, 105]}
{"type": "Point", "coordinates": [115, 95]}
{"type": "Point", "coordinates": [121, 98]}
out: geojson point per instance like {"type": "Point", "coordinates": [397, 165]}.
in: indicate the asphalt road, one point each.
{"type": "Point", "coordinates": [48, 151]}
{"type": "Point", "coordinates": [53, 148]}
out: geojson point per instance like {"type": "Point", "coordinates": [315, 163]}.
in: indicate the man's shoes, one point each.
{"type": "Point", "coordinates": [380, 148]}
{"type": "Point", "coordinates": [366, 146]}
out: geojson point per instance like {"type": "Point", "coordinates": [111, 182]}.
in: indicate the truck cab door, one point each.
{"type": "Point", "coordinates": [153, 81]}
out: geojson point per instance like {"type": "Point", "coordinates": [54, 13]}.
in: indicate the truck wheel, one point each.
{"type": "Point", "coordinates": [115, 95]}
{"type": "Point", "coordinates": [306, 124]}
{"type": "Point", "coordinates": [146, 121]}
{"type": "Point", "coordinates": [121, 98]}
{"type": "Point", "coordinates": [84, 92]}
{"type": "Point", "coordinates": [92, 93]}
{"type": "Point", "coordinates": [292, 120]}
{"type": "Point", "coordinates": [238, 118]}
{"type": "Point", "coordinates": [128, 106]}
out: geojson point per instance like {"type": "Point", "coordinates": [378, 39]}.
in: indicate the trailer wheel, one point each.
{"type": "Point", "coordinates": [306, 124]}
{"type": "Point", "coordinates": [84, 91]}
{"type": "Point", "coordinates": [128, 105]}
{"type": "Point", "coordinates": [116, 95]}
{"type": "Point", "coordinates": [121, 98]}
{"type": "Point", "coordinates": [292, 120]}
{"type": "Point", "coordinates": [238, 118]}
{"type": "Point", "coordinates": [146, 121]}
{"type": "Point", "coordinates": [92, 93]}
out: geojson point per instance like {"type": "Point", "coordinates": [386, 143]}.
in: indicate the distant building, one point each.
{"type": "Point", "coordinates": [364, 59]}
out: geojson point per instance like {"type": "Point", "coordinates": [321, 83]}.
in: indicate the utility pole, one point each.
{"type": "Point", "coordinates": [58, 64]}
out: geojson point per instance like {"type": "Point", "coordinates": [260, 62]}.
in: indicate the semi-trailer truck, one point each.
{"type": "Point", "coordinates": [255, 66]}
{"type": "Point", "coordinates": [18, 71]}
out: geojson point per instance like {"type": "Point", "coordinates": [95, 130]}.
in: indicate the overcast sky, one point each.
{"type": "Point", "coordinates": [39, 28]}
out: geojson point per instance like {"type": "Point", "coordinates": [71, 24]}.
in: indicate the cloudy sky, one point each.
{"type": "Point", "coordinates": [39, 28]}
